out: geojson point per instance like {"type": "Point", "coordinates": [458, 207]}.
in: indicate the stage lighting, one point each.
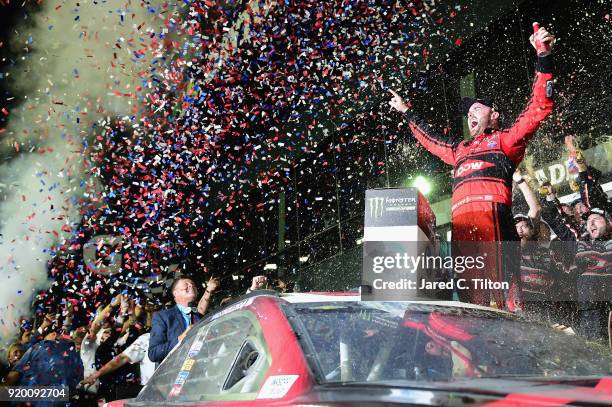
{"type": "Point", "coordinates": [422, 184]}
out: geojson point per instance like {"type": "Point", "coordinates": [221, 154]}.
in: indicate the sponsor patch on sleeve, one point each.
{"type": "Point", "coordinates": [550, 89]}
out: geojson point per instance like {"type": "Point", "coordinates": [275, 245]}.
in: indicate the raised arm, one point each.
{"type": "Point", "coordinates": [535, 209]}
{"type": "Point", "coordinates": [210, 288]}
{"type": "Point", "coordinates": [591, 192]}
{"type": "Point", "coordinates": [514, 140]}
{"type": "Point", "coordinates": [554, 216]}
{"type": "Point", "coordinates": [99, 318]}
{"type": "Point", "coordinates": [109, 367]}
{"type": "Point", "coordinates": [436, 142]}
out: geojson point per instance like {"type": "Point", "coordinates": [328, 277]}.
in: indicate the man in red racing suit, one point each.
{"type": "Point", "coordinates": [482, 179]}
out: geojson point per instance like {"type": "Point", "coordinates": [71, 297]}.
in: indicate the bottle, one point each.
{"type": "Point", "coordinates": [540, 46]}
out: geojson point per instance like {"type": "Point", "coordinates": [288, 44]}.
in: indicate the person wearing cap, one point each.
{"type": "Point", "coordinates": [579, 208]}
{"type": "Point", "coordinates": [588, 178]}
{"type": "Point", "coordinates": [532, 219]}
{"type": "Point", "coordinates": [592, 268]}
{"type": "Point", "coordinates": [525, 228]}
{"type": "Point", "coordinates": [541, 275]}
{"type": "Point", "coordinates": [482, 175]}
{"type": "Point", "coordinates": [25, 334]}
{"type": "Point", "coordinates": [53, 361]}
{"type": "Point", "coordinates": [561, 218]}
{"type": "Point", "coordinates": [598, 223]}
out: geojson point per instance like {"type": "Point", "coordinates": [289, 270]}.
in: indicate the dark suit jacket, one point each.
{"type": "Point", "coordinates": [166, 327]}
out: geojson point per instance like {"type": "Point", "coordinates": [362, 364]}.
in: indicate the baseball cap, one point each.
{"type": "Point", "coordinates": [26, 325]}
{"type": "Point", "coordinates": [467, 102]}
{"type": "Point", "coordinates": [576, 201]}
{"type": "Point", "coordinates": [519, 217]}
{"type": "Point", "coordinates": [596, 211]}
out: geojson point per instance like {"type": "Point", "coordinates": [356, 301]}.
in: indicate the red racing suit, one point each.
{"type": "Point", "coordinates": [482, 186]}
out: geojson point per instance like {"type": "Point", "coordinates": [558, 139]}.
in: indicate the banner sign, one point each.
{"type": "Point", "coordinates": [396, 221]}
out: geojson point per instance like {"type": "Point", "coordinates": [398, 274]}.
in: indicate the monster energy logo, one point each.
{"type": "Point", "coordinates": [376, 207]}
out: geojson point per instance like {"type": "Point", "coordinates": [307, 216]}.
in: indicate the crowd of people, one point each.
{"type": "Point", "coordinates": [565, 272]}
{"type": "Point", "coordinates": [101, 360]}
{"type": "Point", "coordinates": [566, 251]}
{"type": "Point", "coordinates": [116, 353]}
{"type": "Point", "coordinates": [565, 277]}
{"type": "Point", "coordinates": [562, 269]}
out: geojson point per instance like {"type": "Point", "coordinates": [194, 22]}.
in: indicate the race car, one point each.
{"type": "Point", "coordinates": [331, 349]}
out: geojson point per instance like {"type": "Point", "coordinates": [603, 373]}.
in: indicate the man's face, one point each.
{"type": "Point", "coordinates": [597, 226]}
{"type": "Point", "coordinates": [480, 117]}
{"type": "Point", "coordinates": [579, 210]}
{"type": "Point", "coordinates": [15, 355]}
{"type": "Point", "coordinates": [185, 291]}
{"type": "Point", "coordinates": [26, 336]}
{"type": "Point", "coordinates": [524, 230]}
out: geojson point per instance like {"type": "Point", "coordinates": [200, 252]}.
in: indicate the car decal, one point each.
{"type": "Point", "coordinates": [240, 304]}
{"type": "Point", "coordinates": [187, 365]}
{"type": "Point", "coordinates": [374, 316]}
{"type": "Point", "coordinates": [181, 377]}
{"type": "Point", "coordinates": [195, 347]}
{"type": "Point", "coordinates": [183, 374]}
{"type": "Point", "coordinates": [276, 387]}
{"type": "Point", "coordinates": [176, 389]}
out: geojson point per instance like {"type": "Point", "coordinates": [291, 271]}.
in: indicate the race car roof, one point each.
{"type": "Point", "coordinates": [300, 298]}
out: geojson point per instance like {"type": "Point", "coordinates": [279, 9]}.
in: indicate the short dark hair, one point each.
{"type": "Point", "coordinates": [176, 281]}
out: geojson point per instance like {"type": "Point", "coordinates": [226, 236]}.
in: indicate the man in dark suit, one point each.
{"type": "Point", "coordinates": [170, 326]}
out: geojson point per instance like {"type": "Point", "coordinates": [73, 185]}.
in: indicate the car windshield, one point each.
{"type": "Point", "coordinates": [372, 341]}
